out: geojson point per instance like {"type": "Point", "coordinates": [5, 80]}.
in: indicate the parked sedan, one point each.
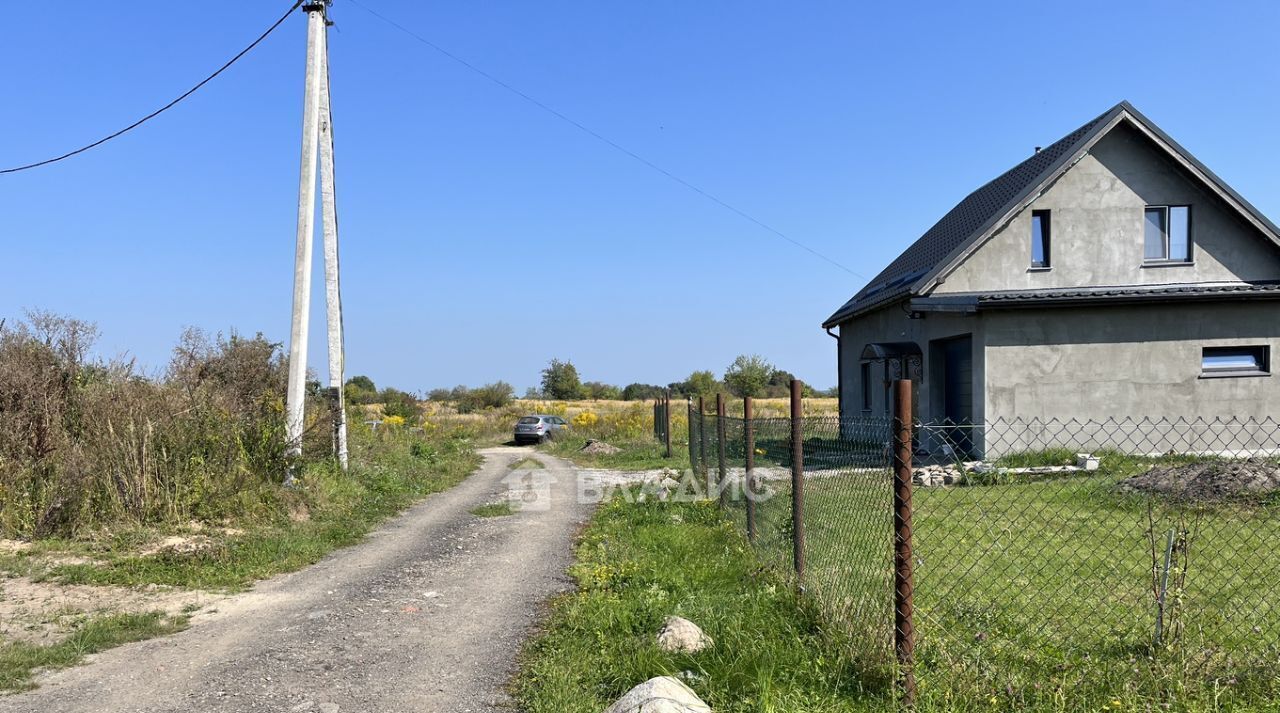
{"type": "Point", "coordinates": [537, 428]}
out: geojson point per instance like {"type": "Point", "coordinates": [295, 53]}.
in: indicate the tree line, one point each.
{"type": "Point", "coordinates": [748, 375]}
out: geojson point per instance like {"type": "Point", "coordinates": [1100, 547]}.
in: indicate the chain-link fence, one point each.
{"type": "Point", "coordinates": [1067, 566]}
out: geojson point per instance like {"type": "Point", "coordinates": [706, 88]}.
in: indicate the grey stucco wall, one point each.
{"type": "Point", "coordinates": [1126, 361]}
{"type": "Point", "coordinates": [1097, 228]}
{"type": "Point", "coordinates": [892, 324]}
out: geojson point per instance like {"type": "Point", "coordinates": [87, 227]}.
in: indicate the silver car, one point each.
{"type": "Point", "coordinates": [537, 428]}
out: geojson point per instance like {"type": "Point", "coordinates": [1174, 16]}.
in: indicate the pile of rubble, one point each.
{"type": "Point", "coordinates": [600, 448]}
{"type": "Point", "coordinates": [959, 473]}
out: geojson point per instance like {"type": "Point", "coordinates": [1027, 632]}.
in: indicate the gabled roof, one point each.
{"type": "Point", "coordinates": [922, 265]}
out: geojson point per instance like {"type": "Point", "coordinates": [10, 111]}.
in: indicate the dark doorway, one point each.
{"type": "Point", "coordinates": [957, 391]}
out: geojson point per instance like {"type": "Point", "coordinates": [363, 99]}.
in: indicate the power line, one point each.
{"type": "Point", "coordinates": [603, 139]}
{"type": "Point", "coordinates": [162, 109]}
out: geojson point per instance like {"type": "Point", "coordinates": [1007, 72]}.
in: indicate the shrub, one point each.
{"type": "Point", "coordinates": [400, 403]}
{"type": "Point", "coordinates": [84, 444]}
{"type": "Point", "coordinates": [360, 390]}
{"type": "Point", "coordinates": [490, 396]}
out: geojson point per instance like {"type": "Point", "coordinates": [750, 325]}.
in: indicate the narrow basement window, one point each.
{"type": "Point", "coordinates": [1040, 239]}
{"type": "Point", "coordinates": [1236, 361]}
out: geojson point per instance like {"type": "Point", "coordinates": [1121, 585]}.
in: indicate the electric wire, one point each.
{"type": "Point", "coordinates": [603, 139]}
{"type": "Point", "coordinates": [162, 109]}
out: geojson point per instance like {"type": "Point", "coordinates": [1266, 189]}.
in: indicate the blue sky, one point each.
{"type": "Point", "coordinates": [483, 236]}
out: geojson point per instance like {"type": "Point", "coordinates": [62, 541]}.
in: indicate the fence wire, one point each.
{"type": "Point", "coordinates": [1058, 565]}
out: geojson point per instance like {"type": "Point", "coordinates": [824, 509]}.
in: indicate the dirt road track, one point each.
{"type": "Point", "coordinates": [427, 615]}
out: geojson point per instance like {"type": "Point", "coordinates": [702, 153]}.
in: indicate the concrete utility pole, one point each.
{"type": "Point", "coordinates": [316, 120]}
{"type": "Point", "coordinates": [332, 285]}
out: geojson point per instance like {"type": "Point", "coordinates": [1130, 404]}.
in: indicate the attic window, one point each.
{"type": "Point", "coordinates": [1040, 239]}
{"type": "Point", "coordinates": [1168, 234]}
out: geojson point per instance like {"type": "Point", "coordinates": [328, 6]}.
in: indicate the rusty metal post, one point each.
{"type": "Point", "coordinates": [722, 474]}
{"type": "Point", "coordinates": [702, 438]}
{"type": "Point", "coordinates": [749, 438]}
{"type": "Point", "coordinates": [904, 580]}
{"type": "Point", "coordinates": [692, 458]}
{"type": "Point", "coordinates": [797, 479]}
{"type": "Point", "coordinates": [666, 419]}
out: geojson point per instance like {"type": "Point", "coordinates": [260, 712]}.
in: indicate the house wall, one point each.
{"type": "Point", "coordinates": [1097, 228]}
{"type": "Point", "coordinates": [892, 324]}
{"type": "Point", "coordinates": [1134, 361]}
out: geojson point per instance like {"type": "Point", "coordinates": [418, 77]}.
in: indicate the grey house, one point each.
{"type": "Point", "coordinates": [1110, 274]}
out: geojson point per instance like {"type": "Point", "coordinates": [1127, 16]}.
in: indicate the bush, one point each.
{"type": "Point", "coordinates": [490, 396]}
{"type": "Point", "coordinates": [400, 403]}
{"type": "Point", "coordinates": [601, 391]}
{"type": "Point", "coordinates": [360, 390]}
{"type": "Point", "coordinates": [85, 444]}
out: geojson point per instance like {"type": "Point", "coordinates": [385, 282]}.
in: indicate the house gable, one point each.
{"type": "Point", "coordinates": [1096, 215]}
{"type": "Point", "coordinates": [929, 261]}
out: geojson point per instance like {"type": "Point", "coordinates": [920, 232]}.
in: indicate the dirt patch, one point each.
{"type": "Point", "coordinates": [595, 447]}
{"type": "Point", "coordinates": [45, 612]}
{"type": "Point", "coordinates": [180, 545]}
{"type": "Point", "coordinates": [1209, 482]}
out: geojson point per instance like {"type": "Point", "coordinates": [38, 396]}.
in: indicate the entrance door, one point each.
{"type": "Point", "coordinates": [957, 390]}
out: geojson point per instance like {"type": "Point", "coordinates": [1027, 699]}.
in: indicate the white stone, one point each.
{"type": "Point", "coordinates": [1088, 461]}
{"type": "Point", "coordinates": [663, 694]}
{"type": "Point", "coordinates": [681, 635]}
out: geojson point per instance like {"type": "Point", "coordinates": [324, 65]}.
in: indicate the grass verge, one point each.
{"type": "Point", "coordinates": [639, 563]}
{"type": "Point", "coordinates": [493, 510]}
{"type": "Point", "coordinates": [327, 510]}
{"type": "Point", "coordinates": [527, 464]}
{"type": "Point", "coordinates": [19, 660]}
{"type": "Point", "coordinates": [641, 454]}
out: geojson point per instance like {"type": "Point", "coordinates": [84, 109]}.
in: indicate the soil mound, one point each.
{"type": "Point", "coordinates": [1210, 481]}
{"type": "Point", "coordinates": [600, 448]}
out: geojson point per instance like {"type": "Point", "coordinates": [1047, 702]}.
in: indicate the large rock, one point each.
{"type": "Point", "coordinates": [682, 636]}
{"type": "Point", "coordinates": [663, 694]}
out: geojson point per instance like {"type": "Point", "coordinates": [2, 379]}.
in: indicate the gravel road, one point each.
{"type": "Point", "coordinates": [428, 615]}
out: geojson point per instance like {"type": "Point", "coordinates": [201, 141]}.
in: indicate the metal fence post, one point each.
{"type": "Point", "coordinates": [693, 461]}
{"type": "Point", "coordinates": [797, 479]}
{"type": "Point", "coordinates": [721, 472]}
{"type": "Point", "coordinates": [904, 582]}
{"type": "Point", "coordinates": [702, 438]}
{"type": "Point", "coordinates": [749, 438]}
{"type": "Point", "coordinates": [666, 421]}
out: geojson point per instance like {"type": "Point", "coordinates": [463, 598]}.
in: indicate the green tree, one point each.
{"type": "Point", "coordinates": [601, 390]}
{"type": "Point", "coordinates": [641, 392]}
{"type": "Point", "coordinates": [701, 383]}
{"type": "Point", "coordinates": [360, 390]}
{"type": "Point", "coordinates": [560, 381]}
{"type": "Point", "coordinates": [748, 375]}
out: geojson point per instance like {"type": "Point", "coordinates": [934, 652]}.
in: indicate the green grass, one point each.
{"type": "Point", "coordinates": [341, 508]}
{"type": "Point", "coordinates": [639, 563]}
{"type": "Point", "coordinates": [1037, 595]}
{"type": "Point", "coordinates": [641, 454]}
{"type": "Point", "coordinates": [493, 510]}
{"type": "Point", "coordinates": [527, 464]}
{"type": "Point", "coordinates": [19, 660]}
